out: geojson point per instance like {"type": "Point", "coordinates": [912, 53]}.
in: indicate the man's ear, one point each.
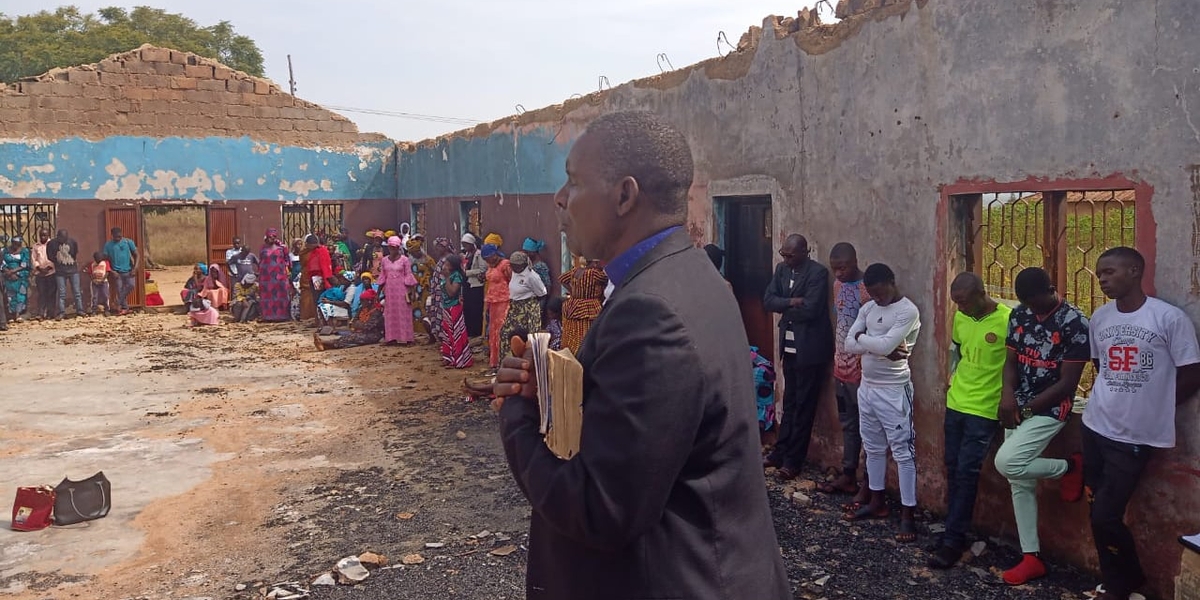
{"type": "Point", "coordinates": [628, 195]}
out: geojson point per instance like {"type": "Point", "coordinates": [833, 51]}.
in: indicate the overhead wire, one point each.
{"type": "Point", "coordinates": [406, 115]}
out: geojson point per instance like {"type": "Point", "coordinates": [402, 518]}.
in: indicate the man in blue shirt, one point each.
{"type": "Point", "coordinates": [122, 253]}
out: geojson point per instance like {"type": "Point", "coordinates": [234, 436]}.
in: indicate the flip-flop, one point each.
{"type": "Point", "coordinates": [865, 513]}
{"type": "Point", "coordinates": [908, 531]}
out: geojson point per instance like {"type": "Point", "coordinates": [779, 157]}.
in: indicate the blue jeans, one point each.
{"type": "Point", "coordinates": [968, 438]}
{"type": "Point", "coordinates": [126, 283]}
{"type": "Point", "coordinates": [62, 280]}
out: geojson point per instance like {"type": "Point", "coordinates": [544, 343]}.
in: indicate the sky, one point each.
{"type": "Point", "coordinates": [464, 59]}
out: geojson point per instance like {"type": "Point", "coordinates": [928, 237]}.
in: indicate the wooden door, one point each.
{"type": "Point", "coordinates": [129, 219]}
{"type": "Point", "coordinates": [222, 228]}
{"type": "Point", "coordinates": [749, 260]}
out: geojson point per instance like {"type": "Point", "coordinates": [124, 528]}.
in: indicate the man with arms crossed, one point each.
{"type": "Point", "coordinates": [978, 335]}
{"type": "Point", "coordinates": [884, 333]}
{"type": "Point", "coordinates": [1148, 361]}
{"type": "Point", "coordinates": [1047, 350]}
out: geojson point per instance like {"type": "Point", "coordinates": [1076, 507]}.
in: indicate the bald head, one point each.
{"type": "Point", "coordinates": [653, 153]}
{"type": "Point", "coordinates": [795, 250]}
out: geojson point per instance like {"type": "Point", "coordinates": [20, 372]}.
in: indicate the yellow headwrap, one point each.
{"type": "Point", "coordinates": [389, 233]}
{"type": "Point", "coordinates": [494, 239]}
{"type": "Point", "coordinates": [413, 245]}
{"type": "Point", "coordinates": [367, 276]}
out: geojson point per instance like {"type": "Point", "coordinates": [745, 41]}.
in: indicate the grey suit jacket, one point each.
{"type": "Point", "coordinates": [666, 498]}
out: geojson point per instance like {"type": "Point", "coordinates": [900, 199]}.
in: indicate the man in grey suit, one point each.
{"type": "Point", "coordinates": [666, 497]}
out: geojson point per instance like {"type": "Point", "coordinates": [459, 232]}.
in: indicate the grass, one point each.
{"type": "Point", "coordinates": [175, 235]}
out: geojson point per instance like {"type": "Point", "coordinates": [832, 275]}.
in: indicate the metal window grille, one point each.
{"type": "Point", "coordinates": [26, 219]}
{"type": "Point", "coordinates": [300, 220]}
{"type": "Point", "coordinates": [417, 210]}
{"type": "Point", "coordinates": [1064, 232]}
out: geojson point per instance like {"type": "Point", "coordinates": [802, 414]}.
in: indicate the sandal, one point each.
{"type": "Point", "coordinates": [866, 513]}
{"type": "Point", "coordinates": [830, 488]}
{"type": "Point", "coordinates": [908, 531]}
{"type": "Point", "coordinates": [787, 473]}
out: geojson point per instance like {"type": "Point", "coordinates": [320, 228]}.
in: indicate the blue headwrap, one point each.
{"type": "Point", "coordinates": [203, 268]}
{"type": "Point", "coordinates": [489, 250]}
{"type": "Point", "coordinates": [532, 245]}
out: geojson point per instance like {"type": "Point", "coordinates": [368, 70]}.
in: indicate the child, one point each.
{"type": "Point", "coordinates": [554, 322]}
{"type": "Point", "coordinates": [202, 312]}
{"type": "Point", "coordinates": [245, 299]}
{"type": "Point", "coordinates": [98, 271]}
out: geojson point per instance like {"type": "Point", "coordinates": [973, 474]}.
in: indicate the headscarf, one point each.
{"type": "Point", "coordinates": [389, 234]}
{"type": "Point", "coordinates": [467, 238]}
{"type": "Point", "coordinates": [414, 244]}
{"type": "Point", "coordinates": [368, 295]}
{"type": "Point", "coordinates": [442, 243]}
{"type": "Point", "coordinates": [271, 234]}
{"type": "Point", "coordinates": [532, 245]}
{"type": "Point", "coordinates": [489, 250]}
{"type": "Point", "coordinates": [519, 259]}
{"type": "Point", "coordinates": [367, 276]}
{"type": "Point", "coordinates": [16, 239]}
{"type": "Point", "coordinates": [203, 268]}
{"type": "Point", "coordinates": [312, 240]}
{"type": "Point", "coordinates": [394, 241]}
{"type": "Point", "coordinates": [494, 239]}
{"type": "Point", "coordinates": [347, 275]}
{"type": "Point", "coordinates": [375, 233]}
{"type": "Point", "coordinates": [249, 279]}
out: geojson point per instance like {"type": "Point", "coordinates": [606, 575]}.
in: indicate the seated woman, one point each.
{"type": "Point", "coordinates": [202, 312]}
{"type": "Point", "coordinates": [245, 299]}
{"type": "Point", "coordinates": [214, 289]}
{"type": "Point", "coordinates": [333, 303]}
{"type": "Point", "coordinates": [194, 284]}
{"type": "Point", "coordinates": [365, 329]}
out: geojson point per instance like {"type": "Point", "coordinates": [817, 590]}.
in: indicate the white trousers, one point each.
{"type": "Point", "coordinates": [885, 420]}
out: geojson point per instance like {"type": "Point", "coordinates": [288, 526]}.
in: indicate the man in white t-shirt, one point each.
{"type": "Point", "coordinates": [1148, 361]}
{"type": "Point", "coordinates": [883, 334]}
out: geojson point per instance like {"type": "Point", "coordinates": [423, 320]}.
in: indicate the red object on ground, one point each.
{"type": "Point", "coordinates": [154, 299]}
{"type": "Point", "coordinates": [33, 508]}
{"type": "Point", "coordinates": [1030, 568]}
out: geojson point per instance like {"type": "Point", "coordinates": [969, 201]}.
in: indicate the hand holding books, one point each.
{"type": "Point", "coordinates": [555, 378]}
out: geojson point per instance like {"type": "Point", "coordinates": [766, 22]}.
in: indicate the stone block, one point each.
{"type": "Point", "coordinates": [114, 78]}
{"type": "Point", "coordinates": [262, 87]}
{"type": "Point", "coordinates": [329, 126]}
{"type": "Point", "coordinates": [266, 112]}
{"type": "Point", "coordinates": [156, 106]}
{"type": "Point", "coordinates": [83, 104]}
{"type": "Point", "coordinates": [139, 93]}
{"type": "Point", "coordinates": [239, 111]}
{"type": "Point", "coordinates": [152, 81]}
{"type": "Point", "coordinates": [198, 96]}
{"type": "Point", "coordinates": [19, 101]}
{"type": "Point", "coordinates": [349, 127]}
{"type": "Point", "coordinates": [179, 58]}
{"type": "Point", "coordinates": [119, 106]}
{"type": "Point", "coordinates": [100, 91]}
{"type": "Point", "coordinates": [53, 102]}
{"type": "Point", "coordinates": [279, 125]}
{"type": "Point", "coordinates": [156, 55]}
{"type": "Point", "coordinates": [240, 86]}
{"type": "Point", "coordinates": [306, 125]}
{"type": "Point", "coordinates": [81, 76]}
{"type": "Point", "coordinates": [142, 118]}
{"type": "Point", "coordinates": [139, 68]}
{"type": "Point", "coordinates": [318, 114]}
{"type": "Point", "coordinates": [168, 94]}
{"type": "Point", "coordinates": [111, 65]}
{"type": "Point", "coordinates": [35, 88]}
{"type": "Point", "coordinates": [222, 73]}
{"type": "Point", "coordinates": [169, 69]}
{"type": "Point", "coordinates": [183, 83]}
{"type": "Point", "coordinates": [292, 113]}
{"type": "Point", "coordinates": [201, 71]}
{"type": "Point", "coordinates": [210, 85]}
{"type": "Point", "coordinates": [279, 100]}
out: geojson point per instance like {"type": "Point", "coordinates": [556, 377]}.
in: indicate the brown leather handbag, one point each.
{"type": "Point", "coordinates": [79, 501]}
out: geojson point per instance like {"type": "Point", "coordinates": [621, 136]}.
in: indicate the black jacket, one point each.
{"type": "Point", "coordinates": [666, 498]}
{"type": "Point", "coordinates": [810, 321]}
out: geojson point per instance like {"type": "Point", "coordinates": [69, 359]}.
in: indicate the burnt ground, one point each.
{"type": "Point", "coordinates": [457, 488]}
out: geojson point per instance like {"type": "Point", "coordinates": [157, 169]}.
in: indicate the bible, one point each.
{"type": "Point", "coordinates": [560, 395]}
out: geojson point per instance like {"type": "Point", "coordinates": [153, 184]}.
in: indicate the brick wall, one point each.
{"type": "Point", "coordinates": [158, 92]}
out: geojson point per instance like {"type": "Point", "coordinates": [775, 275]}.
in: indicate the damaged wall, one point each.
{"type": "Point", "coordinates": [856, 129]}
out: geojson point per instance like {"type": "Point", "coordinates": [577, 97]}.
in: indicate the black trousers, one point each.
{"type": "Point", "coordinates": [801, 393]}
{"type": "Point", "coordinates": [473, 310]}
{"type": "Point", "coordinates": [47, 297]}
{"type": "Point", "coordinates": [1111, 471]}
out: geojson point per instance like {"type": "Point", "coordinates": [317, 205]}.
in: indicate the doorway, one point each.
{"type": "Point", "coordinates": [744, 232]}
{"type": "Point", "coordinates": [129, 219]}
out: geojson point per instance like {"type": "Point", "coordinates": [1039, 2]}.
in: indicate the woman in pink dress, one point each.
{"type": "Point", "coordinates": [395, 279]}
{"type": "Point", "coordinates": [215, 290]}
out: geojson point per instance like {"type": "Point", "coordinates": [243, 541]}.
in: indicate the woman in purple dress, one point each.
{"type": "Point", "coordinates": [274, 263]}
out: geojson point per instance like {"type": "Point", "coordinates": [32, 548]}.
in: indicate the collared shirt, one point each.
{"type": "Point", "coordinates": [41, 259]}
{"type": "Point", "coordinates": [618, 269]}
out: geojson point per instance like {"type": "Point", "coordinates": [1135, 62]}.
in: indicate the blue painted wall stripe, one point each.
{"type": "Point", "coordinates": [528, 162]}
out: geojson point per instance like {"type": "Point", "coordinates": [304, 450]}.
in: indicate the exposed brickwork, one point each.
{"type": "Point", "coordinates": [160, 92]}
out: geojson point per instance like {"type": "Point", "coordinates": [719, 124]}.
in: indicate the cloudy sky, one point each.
{"type": "Point", "coordinates": [464, 59]}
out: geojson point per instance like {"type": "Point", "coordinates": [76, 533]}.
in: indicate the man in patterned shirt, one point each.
{"type": "Point", "coordinates": [849, 294]}
{"type": "Point", "coordinates": [1047, 350]}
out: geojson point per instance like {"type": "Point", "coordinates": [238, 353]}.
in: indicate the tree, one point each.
{"type": "Point", "coordinates": [33, 44]}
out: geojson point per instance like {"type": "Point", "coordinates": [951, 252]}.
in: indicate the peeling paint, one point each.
{"type": "Point", "coordinates": [127, 167]}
